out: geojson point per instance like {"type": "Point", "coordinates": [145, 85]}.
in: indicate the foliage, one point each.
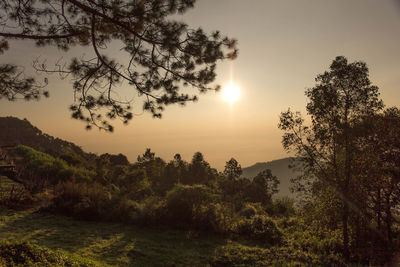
{"type": "Point", "coordinates": [87, 201]}
{"type": "Point", "coordinates": [232, 170]}
{"type": "Point", "coordinates": [25, 254]}
{"type": "Point", "coordinates": [251, 209]}
{"type": "Point", "coordinates": [238, 191]}
{"type": "Point", "coordinates": [162, 55]}
{"type": "Point", "coordinates": [12, 194]}
{"type": "Point", "coordinates": [199, 171]}
{"type": "Point", "coordinates": [240, 255]}
{"type": "Point", "coordinates": [341, 100]}
{"type": "Point", "coordinates": [184, 203]}
{"type": "Point", "coordinates": [261, 189]}
{"type": "Point", "coordinates": [40, 169]}
{"type": "Point", "coordinates": [261, 228]}
{"type": "Point", "coordinates": [282, 206]}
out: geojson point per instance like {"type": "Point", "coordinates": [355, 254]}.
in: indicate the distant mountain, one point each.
{"type": "Point", "coordinates": [279, 168]}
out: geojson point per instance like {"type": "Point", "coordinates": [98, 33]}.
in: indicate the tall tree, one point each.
{"type": "Point", "coordinates": [341, 97]}
{"type": "Point", "coordinates": [161, 55]}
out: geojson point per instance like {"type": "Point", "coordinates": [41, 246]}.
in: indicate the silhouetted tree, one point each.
{"type": "Point", "coordinates": [154, 167]}
{"type": "Point", "coordinates": [147, 156]}
{"type": "Point", "coordinates": [162, 55]}
{"type": "Point", "coordinates": [232, 170]}
{"type": "Point", "coordinates": [341, 97]}
{"type": "Point", "coordinates": [199, 171]}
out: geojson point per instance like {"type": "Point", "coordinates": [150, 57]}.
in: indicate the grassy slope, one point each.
{"type": "Point", "coordinates": [108, 243]}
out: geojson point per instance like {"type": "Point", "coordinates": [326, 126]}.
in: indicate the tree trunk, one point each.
{"type": "Point", "coordinates": [389, 220]}
{"type": "Point", "coordinates": [345, 232]}
{"type": "Point", "coordinates": [346, 184]}
{"type": "Point", "coordinates": [379, 211]}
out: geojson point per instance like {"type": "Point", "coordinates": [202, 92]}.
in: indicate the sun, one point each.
{"type": "Point", "coordinates": [231, 93]}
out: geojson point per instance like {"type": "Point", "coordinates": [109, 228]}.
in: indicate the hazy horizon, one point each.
{"type": "Point", "coordinates": [283, 46]}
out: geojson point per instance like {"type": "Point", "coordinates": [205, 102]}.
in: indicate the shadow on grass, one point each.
{"type": "Point", "coordinates": [110, 243]}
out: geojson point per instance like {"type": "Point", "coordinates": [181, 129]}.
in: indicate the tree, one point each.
{"type": "Point", "coordinates": [380, 173]}
{"type": "Point", "coordinates": [342, 96]}
{"type": "Point", "coordinates": [263, 186]}
{"type": "Point", "coordinates": [162, 55]}
{"type": "Point", "coordinates": [232, 170]}
{"type": "Point", "coordinates": [199, 171]}
{"type": "Point", "coordinates": [147, 156]}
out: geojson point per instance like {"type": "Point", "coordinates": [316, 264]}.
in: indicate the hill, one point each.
{"type": "Point", "coordinates": [279, 168]}
{"type": "Point", "coordinates": [15, 131]}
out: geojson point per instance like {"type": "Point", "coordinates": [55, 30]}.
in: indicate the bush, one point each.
{"type": "Point", "coordinates": [282, 207]}
{"type": "Point", "coordinates": [13, 195]}
{"type": "Point", "coordinates": [90, 201]}
{"type": "Point", "coordinates": [259, 227]}
{"type": "Point", "coordinates": [184, 203]}
{"type": "Point", "coordinates": [251, 209]}
{"type": "Point", "coordinates": [25, 254]}
{"type": "Point", "coordinates": [151, 211]}
{"type": "Point", "coordinates": [40, 170]}
{"type": "Point", "coordinates": [234, 254]}
{"type": "Point", "coordinates": [215, 217]}
{"type": "Point", "coordinates": [123, 209]}
{"type": "Point", "coordinates": [93, 201]}
{"type": "Point", "coordinates": [238, 255]}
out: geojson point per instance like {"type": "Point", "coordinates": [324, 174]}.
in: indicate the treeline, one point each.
{"type": "Point", "coordinates": [182, 195]}
{"type": "Point", "coordinates": [151, 187]}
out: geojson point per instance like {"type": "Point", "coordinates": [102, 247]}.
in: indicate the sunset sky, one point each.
{"type": "Point", "coordinates": [283, 45]}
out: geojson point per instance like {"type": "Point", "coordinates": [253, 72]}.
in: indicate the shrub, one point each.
{"type": "Point", "coordinates": [234, 254]}
{"type": "Point", "coordinates": [259, 227]}
{"type": "Point", "coordinates": [184, 203]}
{"type": "Point", "coordinates": [13, 195]}
{"type": "Point", "coordinates": [151, 211]}
{"type": "Point", "coordinates": [251, 209]}
{"type": "Point", "coordinates": [39, 170]}
{"type": "Point", "coordinates": [90, 201]}
{"type": "Point", "coordinates": [216, 217]}
{"type": "Point", "coordinates": [283, 206]}
{"type": "Point", "coordinates": [238, 255]}
{"type": "Point", "coordinates": [25, 254]}
{"type": "Point", "coordinates": [122, 209]}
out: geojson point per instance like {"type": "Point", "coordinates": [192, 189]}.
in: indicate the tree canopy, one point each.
{"type": "Point", "coordinates": [162, 56]}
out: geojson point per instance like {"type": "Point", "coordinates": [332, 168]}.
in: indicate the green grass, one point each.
{"type": "Point", "coordinates": [109, 243]}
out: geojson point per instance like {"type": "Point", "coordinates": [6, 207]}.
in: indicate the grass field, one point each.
{"type": "Point", "coordinates": [106, 244]}
{"type": "Point", "coordinates": [109, 243]}
{"type": "Point", "coordinates": [90, 243]}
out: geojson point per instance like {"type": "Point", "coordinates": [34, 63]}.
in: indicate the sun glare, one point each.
{"type": "Point", "coordinates": [231, 93]}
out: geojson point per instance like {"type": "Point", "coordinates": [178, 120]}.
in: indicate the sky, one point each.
{"type": "Point", "coordinates": [283, 45]}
